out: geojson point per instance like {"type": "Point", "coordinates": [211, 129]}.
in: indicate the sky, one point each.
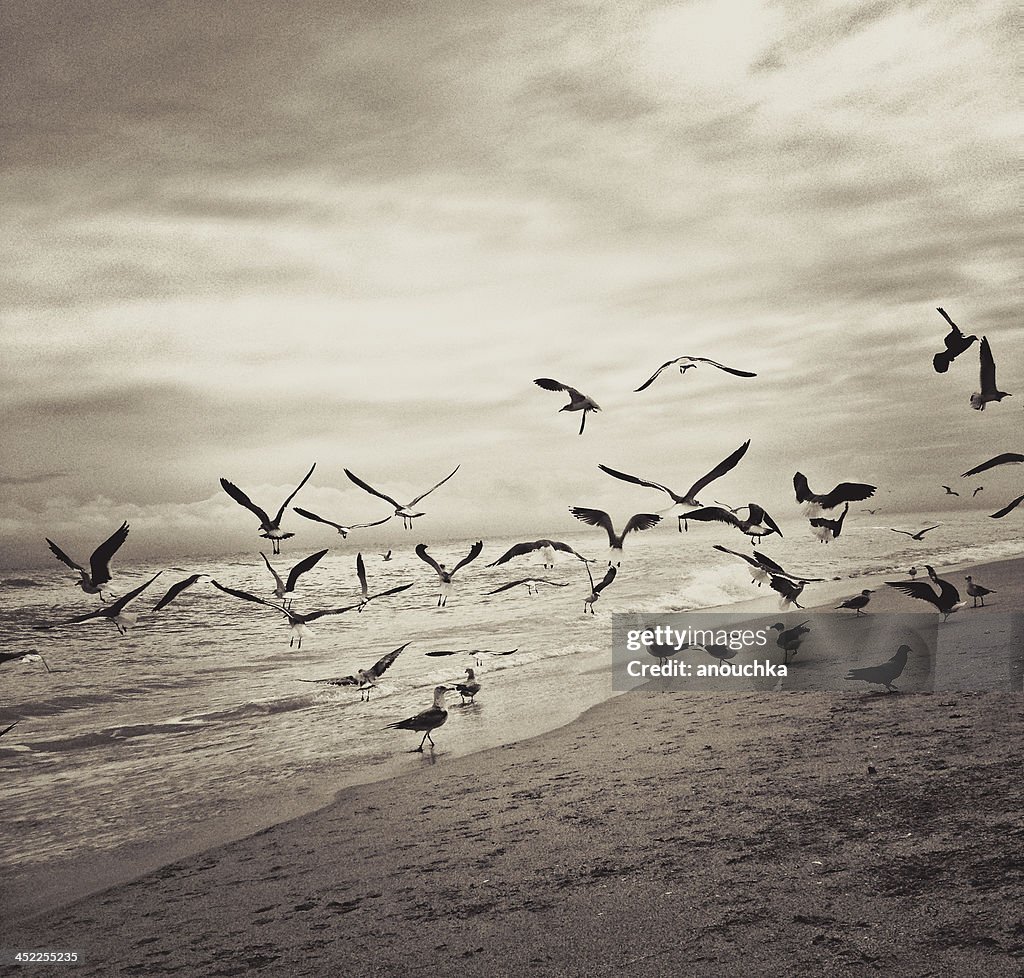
{"type": "Point", "coordinates": [245, 237]}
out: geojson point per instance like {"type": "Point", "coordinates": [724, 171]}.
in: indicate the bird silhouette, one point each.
{"type": "Point", "coordinates": [688, 363]}
{"type": "Point", "coordinates": [886, 673]}
{"type": "Point", "coordinates": [270, 529]}
{"type": "Point", "coordinates": [92, 580]}
{"type": "Point", "coordinates": [989, 391]}
{"type": "Point", "coordinates": [577, 401]}
{"type": "Point", "coordinates": [955, 343]}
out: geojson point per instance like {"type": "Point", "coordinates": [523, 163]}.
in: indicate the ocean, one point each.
{"type": "Point", "coordinates": [194, 728]}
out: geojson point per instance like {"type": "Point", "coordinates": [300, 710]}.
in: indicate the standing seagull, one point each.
{"type": "Point", "coordinates": [977, 591]}
{"type": "Point", "coordinates": [814, 503]}
{"type": "Point", "coordinates": [688, 363]}
{"type": "Point", "coordinates": [689, 498]}
{"type": "Point", "coordinates": [341, 528]}
{"type": "Point", "coordinates": [789, 639]}
{"type": "Point", "coordinates": [281, 588]}
{"type": "Point", "coordinates": [364, 589]}
{"type": "Point", "coordinates": [469, 688]}
{"type": "Point", "coordinates": [596, 589]}
{"type": "Point", "coordinates": [827, 530]}
{"type": "Point", "coordinates": [114, 612]}
{"type": "Point", "coordinates": [757, 524]}
{"type": "Point", "coordinates": [444, 575]}
{"type": "Point", "coordinates": [886, 673]}
{"type": "Point", "coordinates": [598, 517]}
{"type": "Point", "coordinates": [920, 533]}
{"type": "Point", "coordinates": [406, 512]}
{"type": "Point", "coordinates": [955, 343]}
{"type": "Point", "coordinates": [577, 401]}
{"type": "Point", "coordinates": [547, 550]}
{"type": "Point", "coordinates": [99, 563]}
{"type": "Point", "coordinates": [426, 721]}
{"type": "Point", "coordinates": [365, 679]}
{"type": "Point", "coordinates": [858, 602]}
{"type": "Point", "coordinates": [989, 391]}
{"type": "Point", "coordinates": [270, 529]}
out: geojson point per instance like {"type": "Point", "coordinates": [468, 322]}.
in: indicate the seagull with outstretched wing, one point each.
{"type": "Point", "coordinates": [577, 401]}
{"type": "Point", "coordinates": [815, 503]}
{"type": "Point", "coordinates": [688, 363]}
{"type": "Point", "coordinates": [598, 517]}
{"type": "Point", "coordinates": [365, 679]}
{"type": "Point", "coordinates": [1008, 508]}
{"type": "Point", "coordinates": [596, 589]}
{"type": "Point", "coordinates": [955, 343]}
{"type": "Point", "coordinates": [270, 529]}
{"type": "Point", "coordinates": [92, 580]}
{"type": "Point", "coordinates": [406, 512]}
{"type": "Point", "coordinates": [365, 590]}
{"type": "Point", "coordinates": [547, 550]}
{"type": "Point", "coordinates": [757, 523]}
{"type": "Point", "coordinates": [114, 612]}
{"type": "Point", "coordinates": [444, 575]}
{"type": "Point", "coordinates": [919, 535]}
{"type": "Point", "coordinates": [283, 588]}
{"type": "Point", "coordinates": [340, 527]}
{"type": "Point", "coordinates": [989, 391]}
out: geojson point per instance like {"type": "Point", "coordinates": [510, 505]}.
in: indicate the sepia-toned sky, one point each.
{"type": "Point", "coordinates": [244, 237]}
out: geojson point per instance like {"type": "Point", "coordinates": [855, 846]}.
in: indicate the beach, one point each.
{"type": "Point", "coordinates": [658, 834]}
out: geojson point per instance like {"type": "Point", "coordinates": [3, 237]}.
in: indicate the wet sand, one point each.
{"type": "Point", "coordinates": [659, 834]}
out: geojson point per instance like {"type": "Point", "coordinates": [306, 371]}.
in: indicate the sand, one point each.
{"type": "Point", "coordinates": [659, 834]}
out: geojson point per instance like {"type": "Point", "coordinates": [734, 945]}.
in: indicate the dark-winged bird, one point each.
{"type": "Point", "coordinates": [406, 512]}
{"type": "Point", "coordinates": [340, 527]}
{"type": "Point", "coordinates": [886, 673]}
{"type": "Point", "coordinates": [1006, 458]}
{"type": "Point", "coordinates": [92, 580]}
{"type": "Point", "coordinates": [955, 343]}
{"type": "Point", "coordinates": [687, 363]}
{"type": "Point", "coordinates": [989, 391]}
{"type": "Point", "coordinates": [757, 524]}
{"type": "Point", "coordinates": [977, 591]}
{"type": "Point", "coordinates": [596, 589]}
{"type": "Point", "coordinates": [858, 602]}
{"type": "Point", "coordinates": [919, 535]}
{"type": "Point", "coordinates": [577, 401]}
{"type": "Point", "coordinates": [547, 550]}
{"type": "Point", "coordinates": [270, 529]}
{"type": "Point", "coordinates": [946, 600]}
{"type": "Point", "coordinates": [427, 720]}
{"type": "Point", "coordinates": [845, 492]}
{"type": "Point", "coordinates": [598, 517]}
{"type": "Point", "coordinates": [365, 679]}
{"type": "Point", "coordinates": [827, 530]}
{"type": "Point", "coordinates": [445, 576]}
{"type": "Point", "coordinates": [114, 612]}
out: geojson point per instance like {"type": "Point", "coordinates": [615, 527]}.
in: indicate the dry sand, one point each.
{"type": "Point", "coordinates": [660, 834]}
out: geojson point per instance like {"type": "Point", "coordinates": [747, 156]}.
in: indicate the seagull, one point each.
{"type": "Point", "coordinates": [789, 639]}
{"type": "Point", "coordinates": [386, 557]}
{"type": "Point", "coordinates": [115, 612]}
{"type": "Point", "coordinates": [721, 652]}
{"type": "Point", "coordinates": [977, 591]}
{"type": "Point", "coordinates": [955, 342]}
{"type": "Point", "coordinates": [598, 517]}
{"type": "Point", "coordinates": [406, 512]}
{"type": "Point", "coordinates": [532, 585]}
{"type": "Point", "coordinates": [687, 363]}
{"type": "Point", "coordinates": [1011, 505]}
{"type": "Point", "coordinates": [175, 589]}
{"type": "Point", "coordinates": [577, 401]}
{"type": "Point", "coordinates": [1006, 458]}
{"type": "Point", "coordinates": [976, 491]}
{"type": "Point", "coordinates": [920, 533]}
{"type": "Point", "coordinates": [282, 589]}
{"type": "Point", "coordinates": [989, 391]}
{"type": "Point", "coordinates": [99, 563]}
{"type": "Point", "coordinates": [689, 498]}
{"type": "Point", "coordinates": [446, 576]}
{"type": "Point", "coordinates": [547, 550]}
{"type": "Point", "coordinates": [476, 653]}
{"type": "Point", "coordinates": [758, 523]}
{"type": "Point", "coordinates": [947, 600]}
{"type": "Point", "coordinates": [24, 658]}
{"type": "Point", "coordinates": [912, 572]}
{"type": "Point", "coordinates": [764, 567]}
{"type": "Point", "coordinates": [845, 492]}
{"type": "Point", "coordinates": [426, 721]}
{"type": "Point", "coordinates": [365, 591]}
{"type": "Point", "coordinates": [343, 530]}
{"type": "Point", "coordinates": [827, 530]}
{"type": "Point", "coordinates": [365, 679]}
{"type": "Point", "coordinates": [858, 602]}
{"type": "Point", "coordinates": [869, 511]}
{"type": "Point", "coordinates": [886, 673]}
{"type": "Point", "coordinates": [950, 492]}
{"type": "Point", "coordinates": [270, 529]}
{"type": "Point", "coordinates": [789, 590]}
{"type": "Point", "coordinates": [298, 622]}
{"type": "Point", "coordinates": [469, 688]}
{"type": "Point", "coordinates": [596, 589]}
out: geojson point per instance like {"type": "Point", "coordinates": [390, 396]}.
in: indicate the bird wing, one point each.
{"type": "Point", "coordinates": [246, 596]}
{"type": "Point", "coordinates": [329, 611]}
{"type": "Point", "coordinates": [474, 552]}
{"type": "Point", "coordinates": [945, 315]}
{"type": "Point", "coordinates": [595, 517]}
{"type": "Point", "coordinates": [758, 516]}
{"type": "Point", "coordinates": [175, 589]}
{"type": "Point", "coordinates": [916, 589]}
{"type": "Point", "coordinates": [553, 385]}
{"type": "Point", "coordinates": [421, 552]}
{"type": "Point", "coordinates": [766, 563]}
{"type": "Point", "coordinates": [803, 490]}
{"type": "Point", "coordinates": [381, 665]}
{"type": "Point", "coordinates": [100, 560]}
{"type": "Point", "coordinates": [1007, 458]}
{"type": "Point", "coordinates": [625, 477]}
{"type": "Point", "coordinates": [114, 609]}
{"type": "Point", "coordinates": [284, 505]}
{"type": "Point", "coordinates": [641, 521]}
{"type": "Point", "coordinates": [608, 578]}
{"type": "Point", "coordinates": [749, 560]}
{"type": "Point", "coordinates": [339, 681]}
{"type": "Point", "coordinates": [301, 567]}
{"type": "Point", "coordinates": [320, 519]}
{"type": "Point", "coordinates": [422, 495]}
{"type": "Point", "coordinates": [507, 587]}
{"type": "Point", "coordinates": [948, 594]}
{"type": "Point", "coordinates": [8, 729]}
{"type": "Point", "coordinates": [277, 577]}
{"type": "Point", "coordinates": [988, 368]}
{"type": "Point", "coordinates": [650, 380]}
{"type": "Point", "coordinates": [719, 470]}
{"type": "Point", "coordinates": [359, 526]}
{"type": "Point", "coordinates": [907, 532]}
{"type": "Point", "coordinates": [393, 590]}
{"type": "Point", "coordinates": [721, 366]}
{"type": "Point", "coordinates": [63, 557]}
{"type": "Point", "coordinates": [1013, 504]}
{"type": "Point", "coordinates": [525, 548]}
{"type": "Point", "coordinates": [711, 514]}
{"type": "Point", "coordinates": [846, 492]}
{"type": "Point", "coordinates": [373, 492]}
{"type": "Point", "coordinates": [361, 574]}
{"type": "Point", "coordinates": [921, 533]}
{"type": "Point", "coordinates": [243, 500]}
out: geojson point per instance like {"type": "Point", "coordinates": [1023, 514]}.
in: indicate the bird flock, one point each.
{"type": "Point", "coordinates": [821, 509]}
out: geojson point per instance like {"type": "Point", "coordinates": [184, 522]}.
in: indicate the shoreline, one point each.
{"type": "Point", "coordinates": [489, 755]}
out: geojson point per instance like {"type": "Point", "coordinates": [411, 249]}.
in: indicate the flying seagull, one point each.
{"type": "Point", "coordinates": [577, 401]}
{"type": "Point", "coordinates": [270, 529]}
{"type": "Point", "coordinates": [845, 492]}
{"type": "Point", "coordinates": [1007, 458]}
{"type": "Point", "coordinates": [790, 639]}
{"type": "Point", "coordinates": [596, 589]}
{"type": "Point", "coordinates": [886, 673]}
{"type": "Point", "coordinates": [858, 602]}
{"type": "Point", "coordinates": [426, 721]}
{"type": "Point", "coordinates": [115, 612]}
{"type": "Point", "coordinates": [977, 490]}
{"type": "Point", "coordinates": [947, 600]}
{"type": "Point", "coordinates": [406, 512]}
{"type": "Point", "coordinates": [827, 530]}
{"type": "Point", "coordinates": [989, 391]}
{"type": "Point", "coordinates": [281, 588]}
{"type": "Point", "coordinates": [469, 688]}
{"type": "Point", "coordinates": [955, 343]}
{"type": "Point", "coordinates": [386, 557]}
{"type": "Point", "coordinates": [532, 585]}
{"type": "Point", "coordinates": [687, 363]}
{"type": "Point", "coordinates": [444, 575]}
{"type": "Point", "coordinates": [920, 533]}
{"type": "Point", "coordinates": [764, 567]}
{"type": "Point", "coordinates": [977, 591]}
{"type": "Point", "coordinates": [343, 530]}
{"type": "Point", "coordinates": [24, 658]}
{"type": "Point", "coordinates": [547, 550]}
{"type": "Point", "coordinates": [950, 492]}
{"type": "Point", "coordinates": [757, 524]}
{"type": "Point", "coordinates": [1011, 505]}
{"type": "Point", "coordinates": [598, 517]}
{"type": "Point", "coordinates": [689, 498]}
{"type": "Point", "coordinates": [476, 653]}
{"type": "Point", "coordinates": [365, 591]}
{"type": "Point", "coordinates": [298, 622]}
{"type": "Point", "coordinates": [99, 563]}
{"type": "Point", "coordinates": [789, 590]}
{"type": "Point", "coordinates": [365, 679]}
